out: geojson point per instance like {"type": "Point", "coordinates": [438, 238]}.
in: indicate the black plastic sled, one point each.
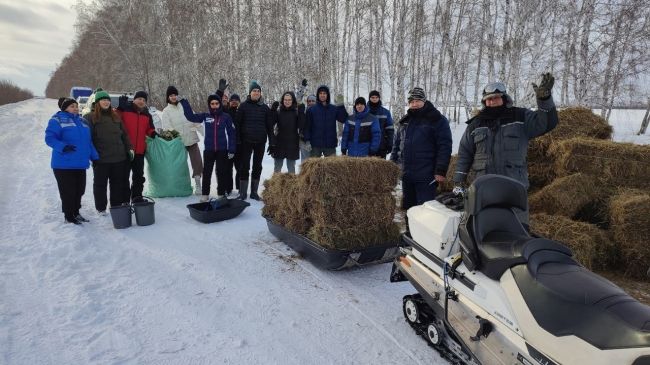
{"type": "Point", "coordinates": [209, 213]}
{"type": "Point", "coordinates": [332, 259]}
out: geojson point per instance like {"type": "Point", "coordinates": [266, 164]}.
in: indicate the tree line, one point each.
{"type": "Point", "coordinates": [596, 49]}
{"type": "Point", "coordinates": [11, 93]}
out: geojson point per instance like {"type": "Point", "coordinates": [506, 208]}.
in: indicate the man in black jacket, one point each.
{"type": "Point", "coordinates": [253, 122]}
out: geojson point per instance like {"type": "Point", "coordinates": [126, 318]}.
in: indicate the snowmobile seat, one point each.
{"type": "Point", "coordinates": [492, 236]}
{"type": "Point", "coordinates": [567, 299]}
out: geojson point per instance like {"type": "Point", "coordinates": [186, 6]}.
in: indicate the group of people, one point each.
{"type": "Point", "coordinates": [495, 141]}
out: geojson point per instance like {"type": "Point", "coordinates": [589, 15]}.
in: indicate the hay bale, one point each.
{"type": "Point", "coordinates": [630, 227]}
{"type": "Point", "coordinates": [339, 202]}
{"type": "Point", "coordinates": [355, 238]}
{"type": "Point", "coordinates": [540, 174]}
{"type": "Point", "coordinates": [448, 185]}
{"type": "Point", "coordinates": [590, 245]}
{"type": "Point", "coordinates": [573, 122]}
{"type": "Point", "coordinates": [616, 164]}
{"type": "Point", "coordinates": [345, 175]}
{"type": "Point", "coordinates": [568, 196]}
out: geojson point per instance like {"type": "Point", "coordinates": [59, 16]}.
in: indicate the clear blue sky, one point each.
{"type": "Point", "coordinates": [35, 35]}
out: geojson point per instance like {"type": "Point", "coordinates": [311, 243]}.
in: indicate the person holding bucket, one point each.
{"type": "Point", "coordinates": [219, 143]}
{"type": "Point", "coordinates": [72, 150]}
{"type": "Point", "coordinates": [115, 152]}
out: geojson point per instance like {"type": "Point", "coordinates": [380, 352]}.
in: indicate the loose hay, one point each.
{"type": "Point", "coordinates": [338, 202]}
{"type": "Point", "coordinates": [630, 227]}
{"type": "Point", "coordinates": [570, 195]}
{"type": "Point", "coordinates": [590, 245]}
{"type": "Point", "coordinates": [616, 164]}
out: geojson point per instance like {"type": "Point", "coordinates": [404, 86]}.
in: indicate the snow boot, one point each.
{"type": "Point", "coordinates": [254, 185]}
{"type": "Point", "coordinates": [197, 185]}
{"type": "Point", "coordinates": [204, 198]}
{"type": "Point", "coordinates": [71, 219]}
{"type": "Point", "coordinates": [243, 189]}
{"type": "Point", "coordinates": [80, 218]}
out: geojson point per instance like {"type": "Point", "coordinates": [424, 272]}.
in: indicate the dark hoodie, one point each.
{"type": "Point", "coordinates": [320, 128]}
{"type": "Point", "coordinates": [219, 129]}
{"type": "Point", "coordinates": [288, 122]}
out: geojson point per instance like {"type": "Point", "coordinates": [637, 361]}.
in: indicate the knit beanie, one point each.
{"type": "Point", "coordinates": [374, 93]}
{"type": "Point", "coordinates": [234, 97]}
{"type": "Point", "coordinates": [171, 90]}
{"type": "Point", "coordinates": [64, 103]}
{"type": "Point", "coordinates": [101, 95]}
{"type": "Point", "coordinates": [311, 97]}
{"type": "Point", "coordinates": [141, 94]}
{"type": "Point", "coordinates": [254, 85]}
{"type": "Point", "coordinates": [339, 99]}
{"type": "Point", "coordinates": [214, 97]}
{"type": "Point", "coordinates": [360, 100]}
{"type": "Point", "coordinates": [417, 93]}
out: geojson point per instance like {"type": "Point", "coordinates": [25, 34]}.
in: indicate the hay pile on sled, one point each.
{"type": "Point", "coordinates": [338, 202]}
{"type": "Point", "coordinates": [630, 228]}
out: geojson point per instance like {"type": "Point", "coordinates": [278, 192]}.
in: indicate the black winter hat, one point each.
{"type": "Point", "coordinates": [214, 97]}
{"type": "Point", "coordinates": [374, 93]}
{"type": "Point", "coordinates": [141, 94]}
{"type": "Point", "coordinates": [64, 103]}
{"type": "Point", "coordinates": [254, 85]}
{"type": "Point", "coordinates": [171, 90]}
{"type": "Point", "coordinates": [235, 97]}
{"type": "Point", "coordinates": [360, 100]}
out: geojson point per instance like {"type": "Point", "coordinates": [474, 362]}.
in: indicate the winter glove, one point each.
{"type": "Point", "coordinates": [131, 155]}
{"type": "Point", "coordinates": [223, 85]}
{"type": "Point", "coordinates": [459, 190]}
{"type": "Point", "coordinates": [308, 146]}
{"type": "Point", "coordinates": [123, 102]}
{"type": "Point", "coordinates": [304, 82]}
{"type": "Point", "coordinates": [231, 156]}
{"type": "Point", "coordinates": [344, 151]}
{"type": "Point", "coordinates": [543, 91]}
{"type": "Point", "coordinates": [69, 148]}
{"type": "Point", "coordinates": [270, 150]}
{"type": "Point", "coordinates": [275, 106]}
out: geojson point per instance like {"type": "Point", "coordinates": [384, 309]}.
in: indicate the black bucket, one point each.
{"type": "Point", "coordinates": [144, 213]}
{"type": "Point", "coordinates": [121, 216]}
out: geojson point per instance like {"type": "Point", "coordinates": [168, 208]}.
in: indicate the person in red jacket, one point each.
{"type": "Point", "coordinates": [138, 124]}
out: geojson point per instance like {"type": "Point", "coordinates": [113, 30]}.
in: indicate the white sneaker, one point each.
{"type": "Point", "coordinates": [197, 185]}
{"type": "Point", "coordinates": [233, 195]}
{"type": "Point", "coordinates": [204, 198]}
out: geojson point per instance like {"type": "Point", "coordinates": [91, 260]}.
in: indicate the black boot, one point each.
{"type": "Point", "coordinates": [243, 189]}
{"type": "Point", "coordinates": [69, 218]}
{"type": "Point", "coordinates": [254, 185]}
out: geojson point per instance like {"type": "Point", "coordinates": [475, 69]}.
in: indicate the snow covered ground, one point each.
{"type": "Point", "coordinates": [179, 292]}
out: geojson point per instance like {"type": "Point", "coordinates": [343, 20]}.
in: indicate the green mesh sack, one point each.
{"type": "Point", "coordinates": [168, 173]}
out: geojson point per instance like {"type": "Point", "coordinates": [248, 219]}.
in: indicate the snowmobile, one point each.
{"type": "Point", "coordinates": [490, 292]}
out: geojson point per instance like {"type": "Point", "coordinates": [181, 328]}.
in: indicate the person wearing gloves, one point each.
{"type": "Point", "coordinates": [115, 151]}
{"type": "Point", "coordinates": [219, 144]}
{"type": "Point", "coordinates": [253, 123]}
{"type": "Point", "coordinates": [496, 140]}
{"type": "Point", "coordinates": [138, 124]}
{"type": "Point", "coordinates": [385, 123]}
{"type": "Point", "coordinates": [361, 133]}
{"type": "Point", "coordinates": [72, 150]}
{"type": "Point", "coordinates": [288, 121]}
{"type": "Point", "coordinates": [173, 117]}
{"type": "Point", "coordinates": [423, 149]}
{"type": "Point", "coordinates": [234, 162]}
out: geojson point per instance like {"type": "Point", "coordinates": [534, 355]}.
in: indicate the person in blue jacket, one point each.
{"type": "Point", "coordinates": [320, 128]}
{"type": "Point", "coordinates": [361, 133]}
{"type": "Point", "coordinates": [220, 144]}
{"type": "Point", "coordinates": [72, 150]}
{"type": "Point", "coordinates": [385, 123]}
{"type": "Point", "coordinates": [422, 147]}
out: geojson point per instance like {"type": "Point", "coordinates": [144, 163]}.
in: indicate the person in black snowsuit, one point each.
{"type": "Point", "coordinates": [252, 121]}
{"type": "Point", "coordinates": [288, 121]}
{"type": "Point", "coordinates": [423, 148]}
{"type": "Point", "coordinates": [385, 123]}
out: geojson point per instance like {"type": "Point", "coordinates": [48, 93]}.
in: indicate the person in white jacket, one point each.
{"type": "Point", "coordinates": [174, 118]}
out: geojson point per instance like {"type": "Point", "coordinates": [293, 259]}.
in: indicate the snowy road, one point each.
{"type": "Point", "coordinates": [177, 292]}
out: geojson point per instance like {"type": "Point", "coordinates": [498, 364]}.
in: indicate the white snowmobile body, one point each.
{"type": "Point", "coordinates": [511, 298]}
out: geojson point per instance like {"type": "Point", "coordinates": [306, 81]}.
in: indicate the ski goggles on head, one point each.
{"type": "Point", "coordinates": [494, 88]}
